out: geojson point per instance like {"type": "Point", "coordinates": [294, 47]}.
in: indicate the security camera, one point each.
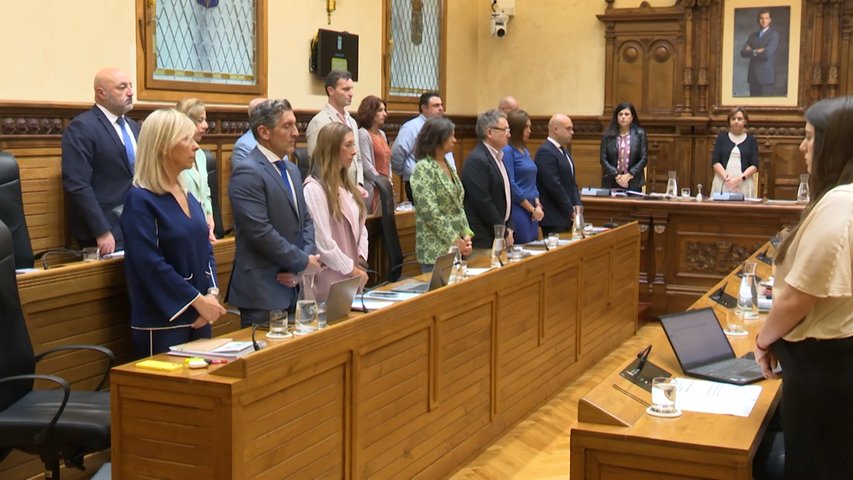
{"type": "Point", "coordinates": [499, 22]}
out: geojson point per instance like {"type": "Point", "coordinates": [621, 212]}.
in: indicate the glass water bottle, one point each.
{"type": "Point", "coordinates": [803, 190]}
{"type": "Point", "coordinates": [671, 185]}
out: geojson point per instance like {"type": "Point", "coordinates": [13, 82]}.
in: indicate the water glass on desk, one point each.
{"type": "Point", "coordinates": [663, 396]}
{"type": "Point", "coordinates": [553, 240]}
{"type": "Point", "coordinates": [91, 254]}
{"type": "Point", "coordinates": [278, 325]}
{"type": "Point", "coordinates": [734, 324]}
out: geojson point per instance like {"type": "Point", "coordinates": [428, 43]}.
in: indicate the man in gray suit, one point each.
{"type": "Point", "coordinates": [275, 233]}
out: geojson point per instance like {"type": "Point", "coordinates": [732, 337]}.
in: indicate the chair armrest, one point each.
{"type": "Point", "coordinates": [42, 436]}
{"type": "Point", "coordinates": [96, 348]}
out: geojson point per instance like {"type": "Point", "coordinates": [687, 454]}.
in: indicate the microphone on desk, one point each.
{"type": "Point", "coordinates": [545, 243]}
{"type": "Point", "coordinates": [644, 358]}
{"type": "Point", "coordinates": [255, 345]}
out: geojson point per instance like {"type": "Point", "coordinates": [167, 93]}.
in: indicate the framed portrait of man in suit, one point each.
{"type": "Point", "coordinates": [760, 52]}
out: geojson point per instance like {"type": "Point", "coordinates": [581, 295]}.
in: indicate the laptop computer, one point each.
{"type": "Point", "coordinates": [440, 277]}
{"type": "Point", "coordinates": [703, 350]}
{"type": "Point", "coordinates": [339, 301]}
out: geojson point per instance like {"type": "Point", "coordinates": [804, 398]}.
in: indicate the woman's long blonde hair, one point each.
{"type": "Point", "coordinates": [327, 169]}
{"type": "Point", "coordinates": [161, 131]}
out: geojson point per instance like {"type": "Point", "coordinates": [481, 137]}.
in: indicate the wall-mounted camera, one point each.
{"type": "Point", "coordinates": [499, 22]}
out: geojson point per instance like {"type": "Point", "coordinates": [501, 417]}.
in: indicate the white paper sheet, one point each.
{"type": "Point", "coordinates": [714, 397]}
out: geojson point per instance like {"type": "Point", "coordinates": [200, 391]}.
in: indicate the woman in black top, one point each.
{"type": "Point", "coordinates": [735, 157]}
{"type": "Point", "coordinates": [624, 150]}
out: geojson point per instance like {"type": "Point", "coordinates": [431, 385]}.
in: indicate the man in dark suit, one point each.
{"type": "Point", "coordinates": [98, 154]}
{"type": "Point", "coordinates": [555, 179]}
{"type": "Point", "coordinates": [275, 233]}
{"type": "Point", "coordinates": [484, 176]}
{"type": "Point", "coordinates": [760, 48]}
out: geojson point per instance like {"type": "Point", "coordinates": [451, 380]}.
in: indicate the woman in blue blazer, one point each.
{"type": "Point", "coordinates": [526, 210]}
{"type": "Point", "coordinates": [171, 273]}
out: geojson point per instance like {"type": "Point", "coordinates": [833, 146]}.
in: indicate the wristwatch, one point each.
{"type": "Point", "coordinates": [743, 178]}
{"type": "Point", "coordinates": [213, 291]}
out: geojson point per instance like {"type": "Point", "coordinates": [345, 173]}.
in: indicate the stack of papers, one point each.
{"type": "Point", "coordinates": [714, 397]}
{"type": "Point", "coordinates": [214, 347]}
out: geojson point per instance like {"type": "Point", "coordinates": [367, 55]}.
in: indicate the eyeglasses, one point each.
{"type": "Point", "coordinates": [505, 130]}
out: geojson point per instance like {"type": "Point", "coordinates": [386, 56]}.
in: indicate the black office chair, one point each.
{"type": "Point", "coordinates": [12, 210]}
{"type": "Point", "coordinates": [390, 237]}
{"type": "Point", "coordinates": [219, 229]}
{"type": "Point", "coordinates": [55, 424]}
{"type": "Point", "coordinates": [302, 161]}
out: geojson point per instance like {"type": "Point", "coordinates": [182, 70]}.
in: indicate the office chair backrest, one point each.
{"type": "Point", "coordinates": [12, 210]}
{"type": "Point", "coordinates": [302, 161]}
{"type": "Point", "coordinates": [213, 184]}
{"type": "Point", "coordinates": [16, 351]}
{"type": "Point", "coordinates": [390, 237]}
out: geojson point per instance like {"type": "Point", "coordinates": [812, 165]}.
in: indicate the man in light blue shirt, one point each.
{"type": "Point", "coordinates": [247, 142]}
{"type": "Point", "coordinates": [402, 152]}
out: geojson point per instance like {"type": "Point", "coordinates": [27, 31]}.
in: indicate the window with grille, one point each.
{"type": "Point", "coordinates": [414, 49]}
{"type": "Point", "coordinates": [215, 49]}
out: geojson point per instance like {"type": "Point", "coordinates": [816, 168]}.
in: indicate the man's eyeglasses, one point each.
{"type": "Point", "coordinates": [505, 130]}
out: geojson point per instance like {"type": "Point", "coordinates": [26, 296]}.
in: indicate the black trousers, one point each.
{"type": "Point", "coordinates": [817, 407]}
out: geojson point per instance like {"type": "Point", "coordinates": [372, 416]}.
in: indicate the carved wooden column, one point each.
{"type": "Point", "coordinates": [658, 286]}
{"type": "Point", "coordinates": [687, 46]}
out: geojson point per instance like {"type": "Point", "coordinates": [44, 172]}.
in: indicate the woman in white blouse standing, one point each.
{"type": "Point", "coordinates": [337, 209]}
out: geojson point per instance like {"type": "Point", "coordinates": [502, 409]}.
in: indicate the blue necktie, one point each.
{"type": "Point", "coordinates": [282, 167]}
{"type": "Point", "coordinates": [128, 143]}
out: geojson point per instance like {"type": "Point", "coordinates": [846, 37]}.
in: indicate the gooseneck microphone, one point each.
{"type": "Point", "coordinates": [644, 358]}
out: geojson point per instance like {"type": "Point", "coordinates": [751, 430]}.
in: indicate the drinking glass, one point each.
{"type": "Point", "coordinates": [587, 229]}
{"type": "Point", "coordinates": [734, 324]}
{"type": "Point", "coordinates": [306, 317]}
{"type": "Point", "coordinates": [685, 192]}
{"type": "Point", "coordinates": [322, 321]}
{"type": "Point", "coordinates": [663, 396]}
{"type": "Point", "coordinates": [515, 253]}
{"type": "Point", "coordinates": [278, 325]}
{"type": "Point", "coordinates": [553, 240]}
{"type": "Point", "coordinates": [91, 254]}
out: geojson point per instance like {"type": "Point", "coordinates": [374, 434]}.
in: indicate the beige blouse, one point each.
{"type": "Point", "coordinates": [819, 263]}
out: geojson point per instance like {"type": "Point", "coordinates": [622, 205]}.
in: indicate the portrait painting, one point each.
{"type": "Point", "coordinates": [760, 59]}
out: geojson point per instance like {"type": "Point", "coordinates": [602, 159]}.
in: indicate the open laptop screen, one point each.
{"type": "Point", "coordinates": [697, 338]}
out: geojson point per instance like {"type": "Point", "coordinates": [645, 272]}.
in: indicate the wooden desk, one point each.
{"type": "Point", "coordinates": [687, 246]}
{"type": "Point", "coordinates": [412, 390]}
{"type": "Point", "coordinates": [614, 439]}
{"type": "Point", "coordinates": [85, 303]}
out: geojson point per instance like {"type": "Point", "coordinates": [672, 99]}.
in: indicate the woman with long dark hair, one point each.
{"type": "Point", "coordinates": [440, 219]}
{"type": "Point", "coordinates": [624, 150]}
{"type": "Point", "coordinates": [810, 327]}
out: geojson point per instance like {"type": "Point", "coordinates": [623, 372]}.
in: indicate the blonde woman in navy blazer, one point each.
{"type": "Point", "coordinates": [171, 273]}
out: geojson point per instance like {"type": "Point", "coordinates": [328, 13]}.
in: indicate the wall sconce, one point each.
{"type": "Point", "coordinates": [330, 9]}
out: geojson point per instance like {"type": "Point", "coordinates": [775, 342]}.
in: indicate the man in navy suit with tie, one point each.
{"type": "Point", "coordinates": [761, 48]}
{"type": "Point", "coordinates": [275, 233]}
{"type": "Point", "coordinates": [98, 154]}
{"type": "Point", "coordinates": [558, 190]}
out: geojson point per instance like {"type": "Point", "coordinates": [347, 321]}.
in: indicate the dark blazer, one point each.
{"type": "Point", "coordinates": [723, 147]}
{"type": "Point", "coordinates": [762, 66]}
{"type": "Point", "coordinates": [96, 175]}
{"type": "Point", "coordinates": [485, 198]}
{"type": "Point", "coordinates": [637, 159]}
{"type": "Point", "coordinates": [168, 259]}
{"type": "Point", "coordinates": [558, 189]}
{"type": "Point", "coordinates": [271, 236]}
